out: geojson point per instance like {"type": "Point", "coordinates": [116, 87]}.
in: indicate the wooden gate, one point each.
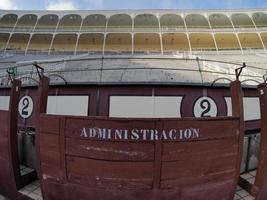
{"type": "Point", "coordinates": [10, 177]}
{"type": "Point", "coordinates": [117, 158]}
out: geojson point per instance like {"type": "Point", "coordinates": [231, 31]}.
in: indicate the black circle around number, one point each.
{"type": "Point", "coordinates": [205, 104]}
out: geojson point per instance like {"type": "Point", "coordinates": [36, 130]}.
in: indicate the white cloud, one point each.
{"type": "Point", "coordinates": [7, 5]}
{"type": "Point", "coordinates": [61, 5]}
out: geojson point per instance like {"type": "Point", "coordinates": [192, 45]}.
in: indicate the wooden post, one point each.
{"type": "Point", "coordinates": [41, 108]}
{"type": "Point", "coordinates": [260, 185]}
{"type": "Point", "coordinates": [9, 158]}
{"type": "Point", "coordinates": [237, 110]}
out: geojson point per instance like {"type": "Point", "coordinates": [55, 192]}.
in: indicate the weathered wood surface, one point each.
{"type": "Point", "coordinates": [191, 168]}
{"type": "Point", "coordinates": [9, 161]}
{"type": "Point", "coordinates": [10, 178]}
{"type": "Point", "coordinates": [115, 158]}
{"type": "Point", "coordinates": [259, 189]}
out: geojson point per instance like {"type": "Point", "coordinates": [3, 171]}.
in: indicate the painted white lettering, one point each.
{"type": "Point", "coordinates": [172, 134]}
{"type": "Point", "coordinates": [118, 134]}
{"type": "Point", "coordinates": [101, 133]}
{"type": "Point", "coordinates": [134, 134]}
{"type": "Point", "coordinates": [195, 132]}
{"type": "Point", "coordinates": [126, 134]}
{"type": "Point", "coordinates": [187, 133]}
{"type": "Point", "coordinates": [84, 133]}
{"type": "Point", "coordinates": [163, 135]}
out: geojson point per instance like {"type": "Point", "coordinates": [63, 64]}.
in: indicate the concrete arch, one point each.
{"type": "Point", "coordinates": [260, 19]}
{"type": "Point", "coordinates": [200, 41]}
{"type": "Point", "coordinates": [90, 42]}
{"type": "Point", "coordinates": [241, 20]}
{"type": "Point", "coordinates": [218, 20]}
{"type": "Point", "coordinates": [71, 22]}
{"type": "Point", "coordinates": [120, 22]}
{"type": "Point", "coordinates": [40, 42]}
{"type": "Point", "coordinates": [227, 41]}
{"type": "Point", "coordinates": [18, 42]}
{"type": "Point", "coordinates": [3, 40]}
{"type": "Point", "coordinates": [47, 22]}
{"type": "Point", "coordinates": [197, 21]}
{"type": "Point", "coordinates": [118, 42]}
{"type": "Point", "coordinates": [26, 22]}
{"type": "Point", "coordinates": [8, 21]}
{"type": "Point", "coordinates": [146, 22]}
{"type": "Point", "coordinates": [94, 22]}
{"type": "Point", "coordinates": [171, 22]}
{"type": "Point", "coordinates": [175, 42]}
{"type": "Point", "coordinates": [250, 41]}
{"type": "Point", "coordinates": [264, 38]}
{"type": "Point", "coordinates": [64, 43]}
{"type": "Point", "coordinates": [147, 42]}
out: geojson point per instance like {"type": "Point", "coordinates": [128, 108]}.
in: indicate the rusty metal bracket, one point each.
{"type": "Point", "coordinates": [40, 70]}
{"type": "Point", "coordinates": [238, 71]}
{"type": "Point", "coordinates": [10, 76]}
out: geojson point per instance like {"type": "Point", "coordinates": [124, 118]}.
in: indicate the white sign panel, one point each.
{"type": "Point", "coordinates": [145, 106]}
{"type": "Point", "coordinates": [205, 107]}
{"type": "Point", "coordinates": [68, 105]}
{"type": "Point", "coordinates": [4, 102]}
{"type": "Point", "coordinates": [251, 108]}
{"type": "Point", "coordinates": [25, 107]}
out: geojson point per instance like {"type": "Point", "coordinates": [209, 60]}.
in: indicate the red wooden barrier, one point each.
{"type": "Point", "coordinates": [10, 178]}
{"type": "Point", "coordinates": [111, 158]}
{"type": "Point", "coordinates": [260, 186]}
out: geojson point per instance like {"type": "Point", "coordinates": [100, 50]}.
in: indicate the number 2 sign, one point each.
{"type": "Point", "coordinates": [205, 107]}
{"type": "Point", "coordinates": [25, 107]}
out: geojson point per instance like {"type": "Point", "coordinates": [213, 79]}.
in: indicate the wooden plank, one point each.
{"type": "Point", "coordinates": [107, 174]}
{"type": "Point", "coordinates": [196, 167]}
{"type": "Point", "coordinates": [49, 124]}
{"type": "Point", "coordinates": [174, 151]}
{"type": "Point", "coordinates": [112, 151]}
{"type": "Point", "coordinates": [49, 149]}
{"type": "Point", "coordinates": [216, 129]}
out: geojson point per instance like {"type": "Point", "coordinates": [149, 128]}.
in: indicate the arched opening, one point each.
{"type": "Point", "coordinates": [147, 43]}
{"type": "Point", "coordinates": [175, 42]}
{"type": "Point", "coordinates": [40, 42]}
{"type": "Point", "coordinates": [70, 23]}
{"type": "Point", "coordinates": [3, 40]}
{"type": "Point", "coordinates": [250, 41]}
{"type": "Point", "coordinates": [202, 41]}
{"type": "Point", "coordinates": [18, 42]}
{"type": "Point", "coordinates": [64, 43]}
{"type": "Point", "coordinates": [94, 23]}
{"type": "Point", "coordinates": [260, 19]}
{"type": "Point", "coordinates": [90, 42]}
{"type": "Point", "coordinates": [196, 21]}
{"type": "Point", "coordinates": [241, 20]}
{"type": "Point", "coordinates": [8, 21]}
{"type": "Point", "coordinates": [120, 22]}
{"type": "Point", "coordinates": [146, 22]}
{"type": "Point", "coordinates": [227, 41]}
{"type": "Point", "coordinates": [220, 21]}
{"type": "Point", "coordinates": [119, 42]}
{"type": "Point", "coordinates": [47, 22]}
{"type": "Point", "coordinates": [171, 22]}
{"type": "Point", "coordinates": [26, 23]}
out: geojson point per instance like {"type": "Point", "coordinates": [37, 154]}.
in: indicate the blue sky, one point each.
{"type": "Point", "coordinates": [129, 4]}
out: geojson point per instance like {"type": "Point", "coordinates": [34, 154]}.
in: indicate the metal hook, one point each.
{"type": "Point", "coordinates": [10, 77]}
{"type": "Point", "coordinates": [265, 77]}
{"type": "Point", "coordinates": [238, 71]}
{"type": "Point", "coordinates": [39, 70]}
